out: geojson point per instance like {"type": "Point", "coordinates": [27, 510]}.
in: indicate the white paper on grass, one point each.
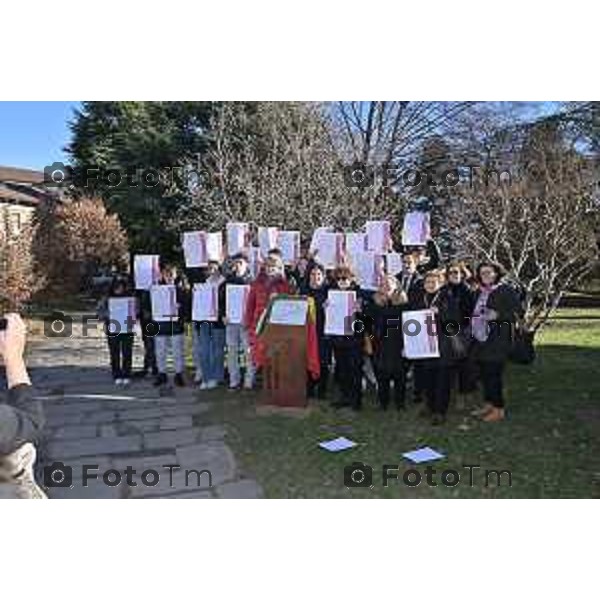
{"type": "Point", "coordinates": [205, 302]}
{"type": "Point", "coordinates": [214, 246]}
{"type": "Point", "coordinates": [146, 270]}
{"type": "Point", "coordinates": [368, 268]}
{"type": "Point", "coordinates": [121, 311]}
{"type": "Point", "coordinates": [337, 444]}
{"type": "Point", "coordinates": [289, 244]}
{"type": "Point", "coordinates": [267, 239]}
{"type": "Point", "coordinates": [289, 312]}
{"type": "Point", "coordinates": [237, 238]}
{"type": "Point", "coordinates": [421, 345]}
{"type": "Point", "coordinates": [194, 249]}
{"type": "Point", "coordinates": [329, 249]}
{"type": "Point", "coordinates": [416, 229]}
{"type": "Point", "coordinates": [423, 455]}
{"type": "Point", "coordinates": [338, 313]}
{"type": "Point", "coordinates": [393, 263]}
{"type": "Point", "coordinates": [378, 236]}
{"type": "Point", "coordinates": [163, 299]}
{"type": "Point", "coordinates": [236, 297]}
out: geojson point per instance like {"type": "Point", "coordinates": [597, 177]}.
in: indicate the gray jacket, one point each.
{"type": "Point", "coordinates": [21, 423]}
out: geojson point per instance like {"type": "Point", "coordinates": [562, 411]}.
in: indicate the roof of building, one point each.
{"type": "Point", "coordinates": [22, 186]}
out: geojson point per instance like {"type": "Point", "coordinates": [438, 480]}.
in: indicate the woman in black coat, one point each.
{"type": "Point", "coordinates": [497, 308]}
{"type": "Point", "coordinates": [385, 310]}
{"type": "Point", "coordinates": [435, 373]}
{"type": "Point", "coordinates": [461, 301]}
{"type": "Point", "coordinates": [316, 287]}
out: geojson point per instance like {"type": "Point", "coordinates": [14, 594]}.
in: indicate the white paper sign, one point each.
{"type": "Point", "coordinates": [254, 261]}
{"type": "Point", "coordinates": [368, 267]}
{"type": "Point", "coordinates": [337, 445]}
{"type": "Point", "coordinates": [378, 236]}
{"type": "Point", "coordinates": [235, 302]}
{"type": "Point", "coordinates": [393, 263]}
{"type": "Point", "coordinates": [146, 270]}
{"type": "Point", "coordinates": [289, 244]}
{"type": "Point", "coordinates": [237, 238]}
{"type": "Point", "coordinates": [194, 249]}
{"type": "Point", "coordinates": [314, 242]}
{"type": "Point", "coordinates": [416, 229]}
{"type": "Point", "coordinates": [289, 312]}
{"type": "Point", "coordinates": [355, 244]}
{"type": "Point", "coordinates": [122, 312]}
{"type": "Point", "coordinates": [328, 251]}
{"type": "Point", "coordinates": [214, 246]}
{"type": "Point", "coordinates": [417, 341]}
{"type": "Point", "coordinates": [164, 302]}
{"type": "Point", "coordinates": [267, 239]}
{"type": "Point", "coordinates": [205, 302]}
{"type": "Point", "coordinates": [339, 311]}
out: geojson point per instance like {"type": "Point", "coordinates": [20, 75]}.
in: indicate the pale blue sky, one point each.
{"type": "Point", "coordinates": [34, 134]}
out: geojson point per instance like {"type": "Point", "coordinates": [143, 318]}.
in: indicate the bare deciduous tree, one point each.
{"type": "Point", "coordinates": [541, 227]}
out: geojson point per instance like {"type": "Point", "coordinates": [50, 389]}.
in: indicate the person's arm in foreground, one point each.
{"type": "Point", "coordinates": [21, 418]}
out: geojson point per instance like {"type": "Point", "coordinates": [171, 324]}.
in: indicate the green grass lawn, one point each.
{"type": "Point", "coordinates": [549, 441]}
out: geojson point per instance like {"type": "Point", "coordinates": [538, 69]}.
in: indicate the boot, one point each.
{"type": "Point", "coordinates": [494, 415]}
{"type": "Point", "coordinates": [161, 379]}
{"type": "Point", "coordinates": [482, 410]}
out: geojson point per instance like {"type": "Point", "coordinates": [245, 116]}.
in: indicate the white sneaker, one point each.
{"type": "Point", "coordinates": [233, 385]}
{"type": "Point", "coordinates": [125, 381]}
{"type": "Point", "coordinates": [119, 382]}
{"type": "Point", "coordinates": [248, 385]}
{"type": "Point", "coordinates": [204, 385]}
{"type": "Point", "coordinates": [212, 384]}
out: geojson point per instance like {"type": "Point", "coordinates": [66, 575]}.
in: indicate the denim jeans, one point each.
{"type": "Point", "coordinates": [238, 345]}
{"type": "Point", "coordinates": [212, 352]}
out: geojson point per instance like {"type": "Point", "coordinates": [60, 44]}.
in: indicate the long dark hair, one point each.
{"type": "Point", "coordinates": [498, 269]}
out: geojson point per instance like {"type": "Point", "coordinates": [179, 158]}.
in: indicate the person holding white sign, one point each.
{"type": "Point", "coordinates": [434, 374]}
{"type": "Point", "coordinates": [118, 311]}
{"type": "Point", "coordinates": [386, 309]}
{"type": "Point", "coordinates": [208, 321]}
{"type": "Point", "coordinates": [348, 349]}
{"type": "Point", "coordinates": [168, 315]}
{"type": "Point", "coordinates": [317, 289]}
{"type": "Point", "coordinates": [232, 304]}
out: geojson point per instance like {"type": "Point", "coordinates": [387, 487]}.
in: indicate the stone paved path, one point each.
{"type": "Point", "coordinates": [92, 422]}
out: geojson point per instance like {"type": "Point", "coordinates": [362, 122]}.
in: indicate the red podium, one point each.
{"type": "Point", "coordinates": [284, 335]}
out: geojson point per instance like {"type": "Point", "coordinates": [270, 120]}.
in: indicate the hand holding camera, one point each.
{"type": "Point", "coordinates": [12, 347]}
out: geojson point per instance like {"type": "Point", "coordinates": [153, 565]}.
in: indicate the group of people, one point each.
{"type": "Point", "coordinates": [474, 317]}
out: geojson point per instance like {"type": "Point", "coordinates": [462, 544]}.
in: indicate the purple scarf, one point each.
{"type": "Point", "coordinates": [480, 318]}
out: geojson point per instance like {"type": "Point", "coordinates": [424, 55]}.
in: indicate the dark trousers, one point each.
{"type": "Point", "coordinates": [419, 379]}
{"type": "Point", "coordinates": [317, 388]}
{"type": "Point", "coordinates": [491, 374]}
{"type": "Point", "coordinates": [149, 355]}
{"type": "Point", "coordinates": [437, 388]}
{"type": "Point", "coordinates": [121, 353]}
{"type": "Point", "coordinates": [464, 376]}
{"type": "Point", "coordinates": [384, 381]}
{"type": "Point", "coordinates": [349, 373]}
